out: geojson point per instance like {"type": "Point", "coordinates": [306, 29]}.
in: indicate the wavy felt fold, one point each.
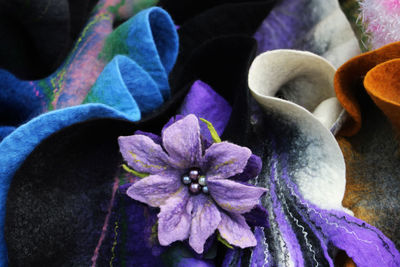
{"type": "Point", "coordinates": [268, 78]}
{"type": "Point", "coordinates": [299, 77]}
{"type": "Point", "coordinates": [155, 53]}
{"type": "Point", "coordinates": [305, 225]}
{"type": "Point", "coordinates": [367, 87]}
{"type": "Point", "coordinates": [72, 167]}
{"type": "Point", "coordinates": [348, 83]}
{"type": "Point", "coordinates": [122, 76]}
{"type": "Point", "coordinates": [312, 25]}
{"type": "Point", "coordinates": [382, 83]}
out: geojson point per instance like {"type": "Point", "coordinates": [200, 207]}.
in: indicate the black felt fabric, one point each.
{"type": "Point", "coordinates": [225, 20]}
{"type": "Point", "coordinates": [58, 199]}
{"type": "Point", "coordinates": [182, 10]}
{"type": "Point", "coordinates": [37, 35]}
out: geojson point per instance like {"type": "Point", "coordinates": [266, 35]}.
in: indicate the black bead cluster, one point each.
{"type": "Point", "coordinates": [196, 181]}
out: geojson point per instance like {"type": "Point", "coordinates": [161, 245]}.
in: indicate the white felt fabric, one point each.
{"type": "Point", "coordinates": [320, 176]}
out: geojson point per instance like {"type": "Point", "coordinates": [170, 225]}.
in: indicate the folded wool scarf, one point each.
{"type": "Point", "coordinates": [113, 81]}
{"type": "Point", "coordinates": [367, 88]}
{"type": "Point", "coordinates": [64, 236]}
{"type": "Point", "coordinates": [78, 213]}
{"type": "Point", "coordinates": [98, 44]}
{"type": "Point", "coordinates": [40, 34]}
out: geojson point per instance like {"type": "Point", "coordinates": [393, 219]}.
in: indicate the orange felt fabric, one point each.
{"type": "Point", "coordinates": [383, 86]}
{"type": "Point", "coordinates": [348, 83]}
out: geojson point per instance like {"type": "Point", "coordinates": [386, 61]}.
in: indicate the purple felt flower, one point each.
{"type": "Point", "coordinates": [191, 186]}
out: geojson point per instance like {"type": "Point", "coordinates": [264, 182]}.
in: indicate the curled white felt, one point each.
{"type": "Point", "coordinates": [300, 77]}
{"type": "Point", "coordinates": [319, 171]}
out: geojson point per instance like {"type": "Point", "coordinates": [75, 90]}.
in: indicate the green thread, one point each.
{"type": "Point", "coordinates": [114, 244]}
{"type": "Point", "coordinates": [223, 241]}
{"type": "Point", "coordinates": [212, 130]}
{"type": "Point", "coordinates": [136, 173]}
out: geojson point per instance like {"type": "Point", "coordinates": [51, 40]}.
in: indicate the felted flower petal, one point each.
{"type": "Point", "coordinates": [143, 154]}
{"type": "Point", "coordinates": [205, 220]}
{"type": "Point", "coordinates": [154, 190]}
{"type": "Point", "coordinates": [205, 103]}
{"type": "Point", "coordinates": [252, 169]}
{"type": "Point", "coordinates": [174, 218]}
{"type": "Point", "coordinates": [224, 160]}
{"type": "Point", "coordinates": [235, 197]}
{"type": "Point", "coordinates": [234, 229]}
{"type": "Point", "coordinates": [182, 142]}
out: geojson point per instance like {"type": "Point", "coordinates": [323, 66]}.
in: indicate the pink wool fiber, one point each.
{"type": "Point", "coordinates": [382, 21]}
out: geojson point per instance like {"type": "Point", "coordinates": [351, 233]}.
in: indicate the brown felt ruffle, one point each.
{"type": "Point", "coordinates": [348, 85]}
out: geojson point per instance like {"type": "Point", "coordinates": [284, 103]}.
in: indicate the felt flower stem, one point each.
{"type": "Point", "coordinates": [136, 173]}
{"type": "Point", "coordinates": [212, 130]}
{"type": "Point", "coordinates": [223, 241]}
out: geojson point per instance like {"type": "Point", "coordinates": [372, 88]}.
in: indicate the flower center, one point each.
{"type": "Point", "coordinates": [196, 181]}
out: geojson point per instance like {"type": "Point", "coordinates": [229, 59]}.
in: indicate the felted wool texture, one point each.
{"type": "Point", "coordinates": [183, 10]}
{"type": "Point", "coordinates": [348, 83]}
{"type": "Point", "coordinates": [37, 35]}
{"type": "Point", "coordinates": [230, 19]}
{"type": "Point", "coordinates": [372, 173]}
{"type": "Point", "coordinates": [71, 83]}
{"type": "Point", "coordinates": [312, 25]}
{"type": "Point", "coordinates": [120, 86]}
{"type": "Point", "coordinates": [205, 103]}
{"type": "Point", "coordinates": [20, 143]}
{"type": "Point", "coordinates": [300, 232]}
{"type": "Point", "coordinates": [277, 73]}
{"type": "Point", "coordinates": [382, 83]}
{"type": "Point", "coordinates": [86, 162]}
{"type": "Point", "coordinates": [323, 182]}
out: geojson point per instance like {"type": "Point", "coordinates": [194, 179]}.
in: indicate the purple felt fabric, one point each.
{"type": "Point", "coordinates": [251, 170]}
{"type": "Point", "coordinates": [224, 160]}
{"type": "Point", "coordinates": [205, 103]}
{"type": "Point", "coordinates": [357, 238]}
{"type": "Point", "coordinates": [182, 142]}
{"type": "Point", "coordinates": [141, 160]}
{"type": "Point", "coordinates": [192, 262]}
{"type": "Point", "coordinates": [156, 139]}
{"type": "Point", "coordinates": [206, 219]}
{"type": "Point", "coordinates": [184, 215]}
{"type": "Point", "coordinates": [285, 228]}
{"type": "Point", "coordinates": [261, 258]}
{"type": "Point", "coordinates": [258, 216]}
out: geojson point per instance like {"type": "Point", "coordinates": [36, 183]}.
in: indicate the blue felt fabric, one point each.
{"type": "Point", "coordinates": [153, 29]}
{"type": "Point", "coordinates": [130, 94]}
{"type": "Point", "coordinates": [17, 146]}
{"type": "Point", "coordinates": [149, 39]}
{"type": "Point", "coordinates": [127, 87]}
{"type": "Point", "coordinates": [19, 102]}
